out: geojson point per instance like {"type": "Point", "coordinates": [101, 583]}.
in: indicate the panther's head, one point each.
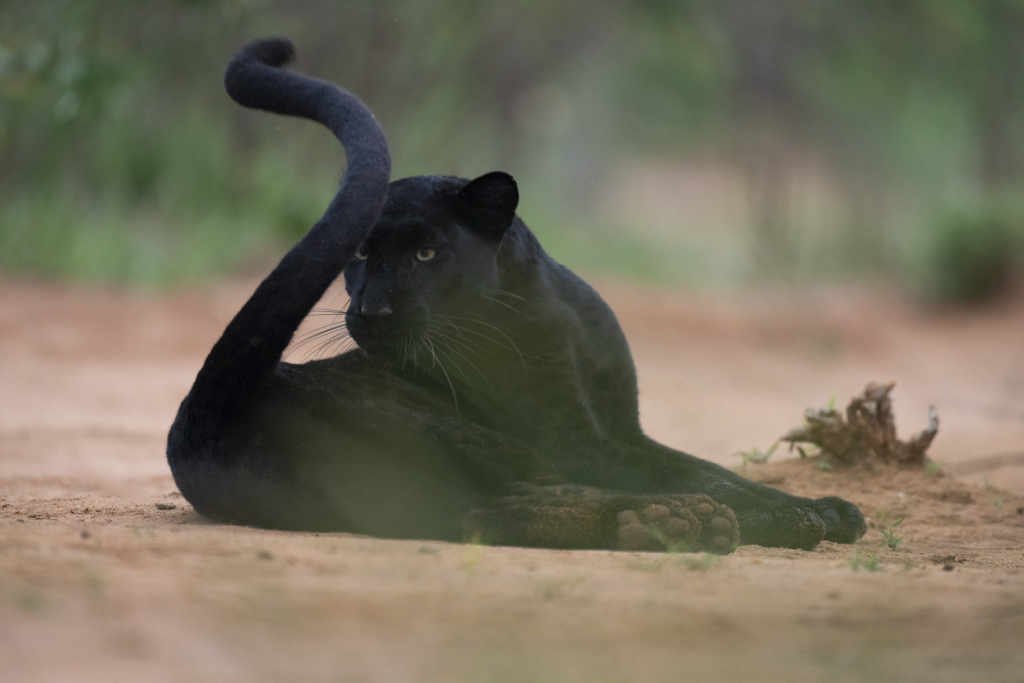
{"type": "Point", "coordinates": [429, 260]}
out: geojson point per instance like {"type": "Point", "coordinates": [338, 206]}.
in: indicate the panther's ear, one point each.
{"type": "Point", "coordinates": [489, 203]}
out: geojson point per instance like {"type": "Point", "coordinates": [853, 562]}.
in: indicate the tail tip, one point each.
{"type": "Point", "coordinates": [246, 65]}
{"type": "Point", "coordinates": [270, 51]}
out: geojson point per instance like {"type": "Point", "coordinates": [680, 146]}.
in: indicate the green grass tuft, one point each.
{"type": "Point", "coordinates": [869, 562]}
{"type": "Point", "coordinates": [891, 539]}
{"type": "Point", "coordinates": [756, 456]}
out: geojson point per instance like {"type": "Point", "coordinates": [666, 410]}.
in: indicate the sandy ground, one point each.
{"type": "Point", "coordinates": [106, 574]}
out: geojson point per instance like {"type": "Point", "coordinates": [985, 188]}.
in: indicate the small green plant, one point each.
{"type": "Point", "coordinates": [832, 402]}
{"type": "Point", "coordinates": [549, 590]}
{"type": "Point", "coordinates": [933, 466]}
{"type": "Point", "coordinates": [672, 549]}
{"type": "Point", "coordinates": [141, 532]}
{"type": "Point", "coordinates": [824, 466]}
{"type": "Point", "coordinates": [668, 544]}
{"type": "Point", "coordinates": [809, 451]}
{"type": "Point", "coordinates": [756, 455]}
{"type": "Point", "coordinates": [31, 601]}
{"type": "Point", "coordinates": [95, 585]}
{"type": "Point", "coordinates": [473, 555]}
{"type": "Point", "coordinates": [557, 588]}
{"type": "Point", "coordinates": [655, 564]}
{"type": "Point", "coordinates": [692, 562]}
{"type": "Point", "coordinates": [869, 562]}
{"type": "Point", "coordinates": [699, 563]}
{"type": "Point", "coordinates": [891, 539]}
{"type": "Point", "coordinates": [997, 502]}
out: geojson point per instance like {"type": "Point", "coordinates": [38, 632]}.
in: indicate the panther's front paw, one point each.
{"type": "Point", "coordinates": [802, 523]}
{"type": "Point", "coordinates": [678, 523]}
{"type": "Point", "coordinates": [844, 522]}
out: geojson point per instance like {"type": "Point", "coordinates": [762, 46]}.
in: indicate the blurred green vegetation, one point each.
{"type": "Point", "coordinates": [843, 138]}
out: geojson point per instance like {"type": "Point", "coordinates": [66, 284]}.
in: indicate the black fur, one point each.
{"type": "Point", "coordinates": [482, 363]}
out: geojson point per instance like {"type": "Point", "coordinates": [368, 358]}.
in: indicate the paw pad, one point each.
{"type": "Point", "coordinates": [657, 527]}
{"type": "Point", "coordinates": [720, 532]}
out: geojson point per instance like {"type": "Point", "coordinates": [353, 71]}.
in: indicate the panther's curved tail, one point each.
{"type": "Point", "coordinates": [251, 346]}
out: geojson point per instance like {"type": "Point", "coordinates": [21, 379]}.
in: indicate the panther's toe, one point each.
{"type": "Point", "coordinates": [687, 523]}
{"type": "Point", "coordinates": [654, 526]}
{"type": "Point", "coordinates": [720, 531]}
{"type": "Point", "coordinates": [782, 527]}
{"type": "Point", "coordinates": [844, 522]}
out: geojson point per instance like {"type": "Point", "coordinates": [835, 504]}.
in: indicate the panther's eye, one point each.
{"type": "Point", "coordinates": [425, 254]}
{"type": "Point", "coordinates": [361, 252]}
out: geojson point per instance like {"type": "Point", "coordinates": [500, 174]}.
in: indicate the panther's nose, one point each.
{"type": "Point", "coordinates": [375, 312]}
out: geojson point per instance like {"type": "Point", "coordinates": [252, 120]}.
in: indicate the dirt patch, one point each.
{"type": "Point", "coordinates": [942, 516]}
{"type": "Point", "coordinates": [106, 573]}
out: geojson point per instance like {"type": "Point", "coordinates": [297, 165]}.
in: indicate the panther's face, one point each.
{"type": "Point", "coordinates": [427, 261]}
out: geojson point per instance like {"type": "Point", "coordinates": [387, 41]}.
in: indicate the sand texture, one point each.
{"type": "Point", "coordinates": [106, 573]}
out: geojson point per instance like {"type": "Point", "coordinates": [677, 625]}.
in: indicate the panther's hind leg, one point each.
{"type": "Point", "coordinates": [572, 516]}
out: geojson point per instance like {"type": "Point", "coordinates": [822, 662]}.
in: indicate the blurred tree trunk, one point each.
{"type": "Point", "coordinates": [765, 37]}
{"type": "Point", "coordinates": [999, 81]}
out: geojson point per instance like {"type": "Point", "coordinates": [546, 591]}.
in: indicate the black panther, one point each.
{"type": "Point", "coordinates": [492, 394]}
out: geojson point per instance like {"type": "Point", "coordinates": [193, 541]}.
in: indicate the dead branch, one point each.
{"type": "Point", "coordinates": [868, 431]}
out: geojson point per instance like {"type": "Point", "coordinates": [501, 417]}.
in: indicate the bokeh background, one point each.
{"type": "Point", "coordinates": [781, 200]}
{"type": "Point", "coordinates": [706, 143]}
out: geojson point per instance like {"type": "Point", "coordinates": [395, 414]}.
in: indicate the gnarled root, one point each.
{"type": "Point", "coordinates": [868, 431]}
